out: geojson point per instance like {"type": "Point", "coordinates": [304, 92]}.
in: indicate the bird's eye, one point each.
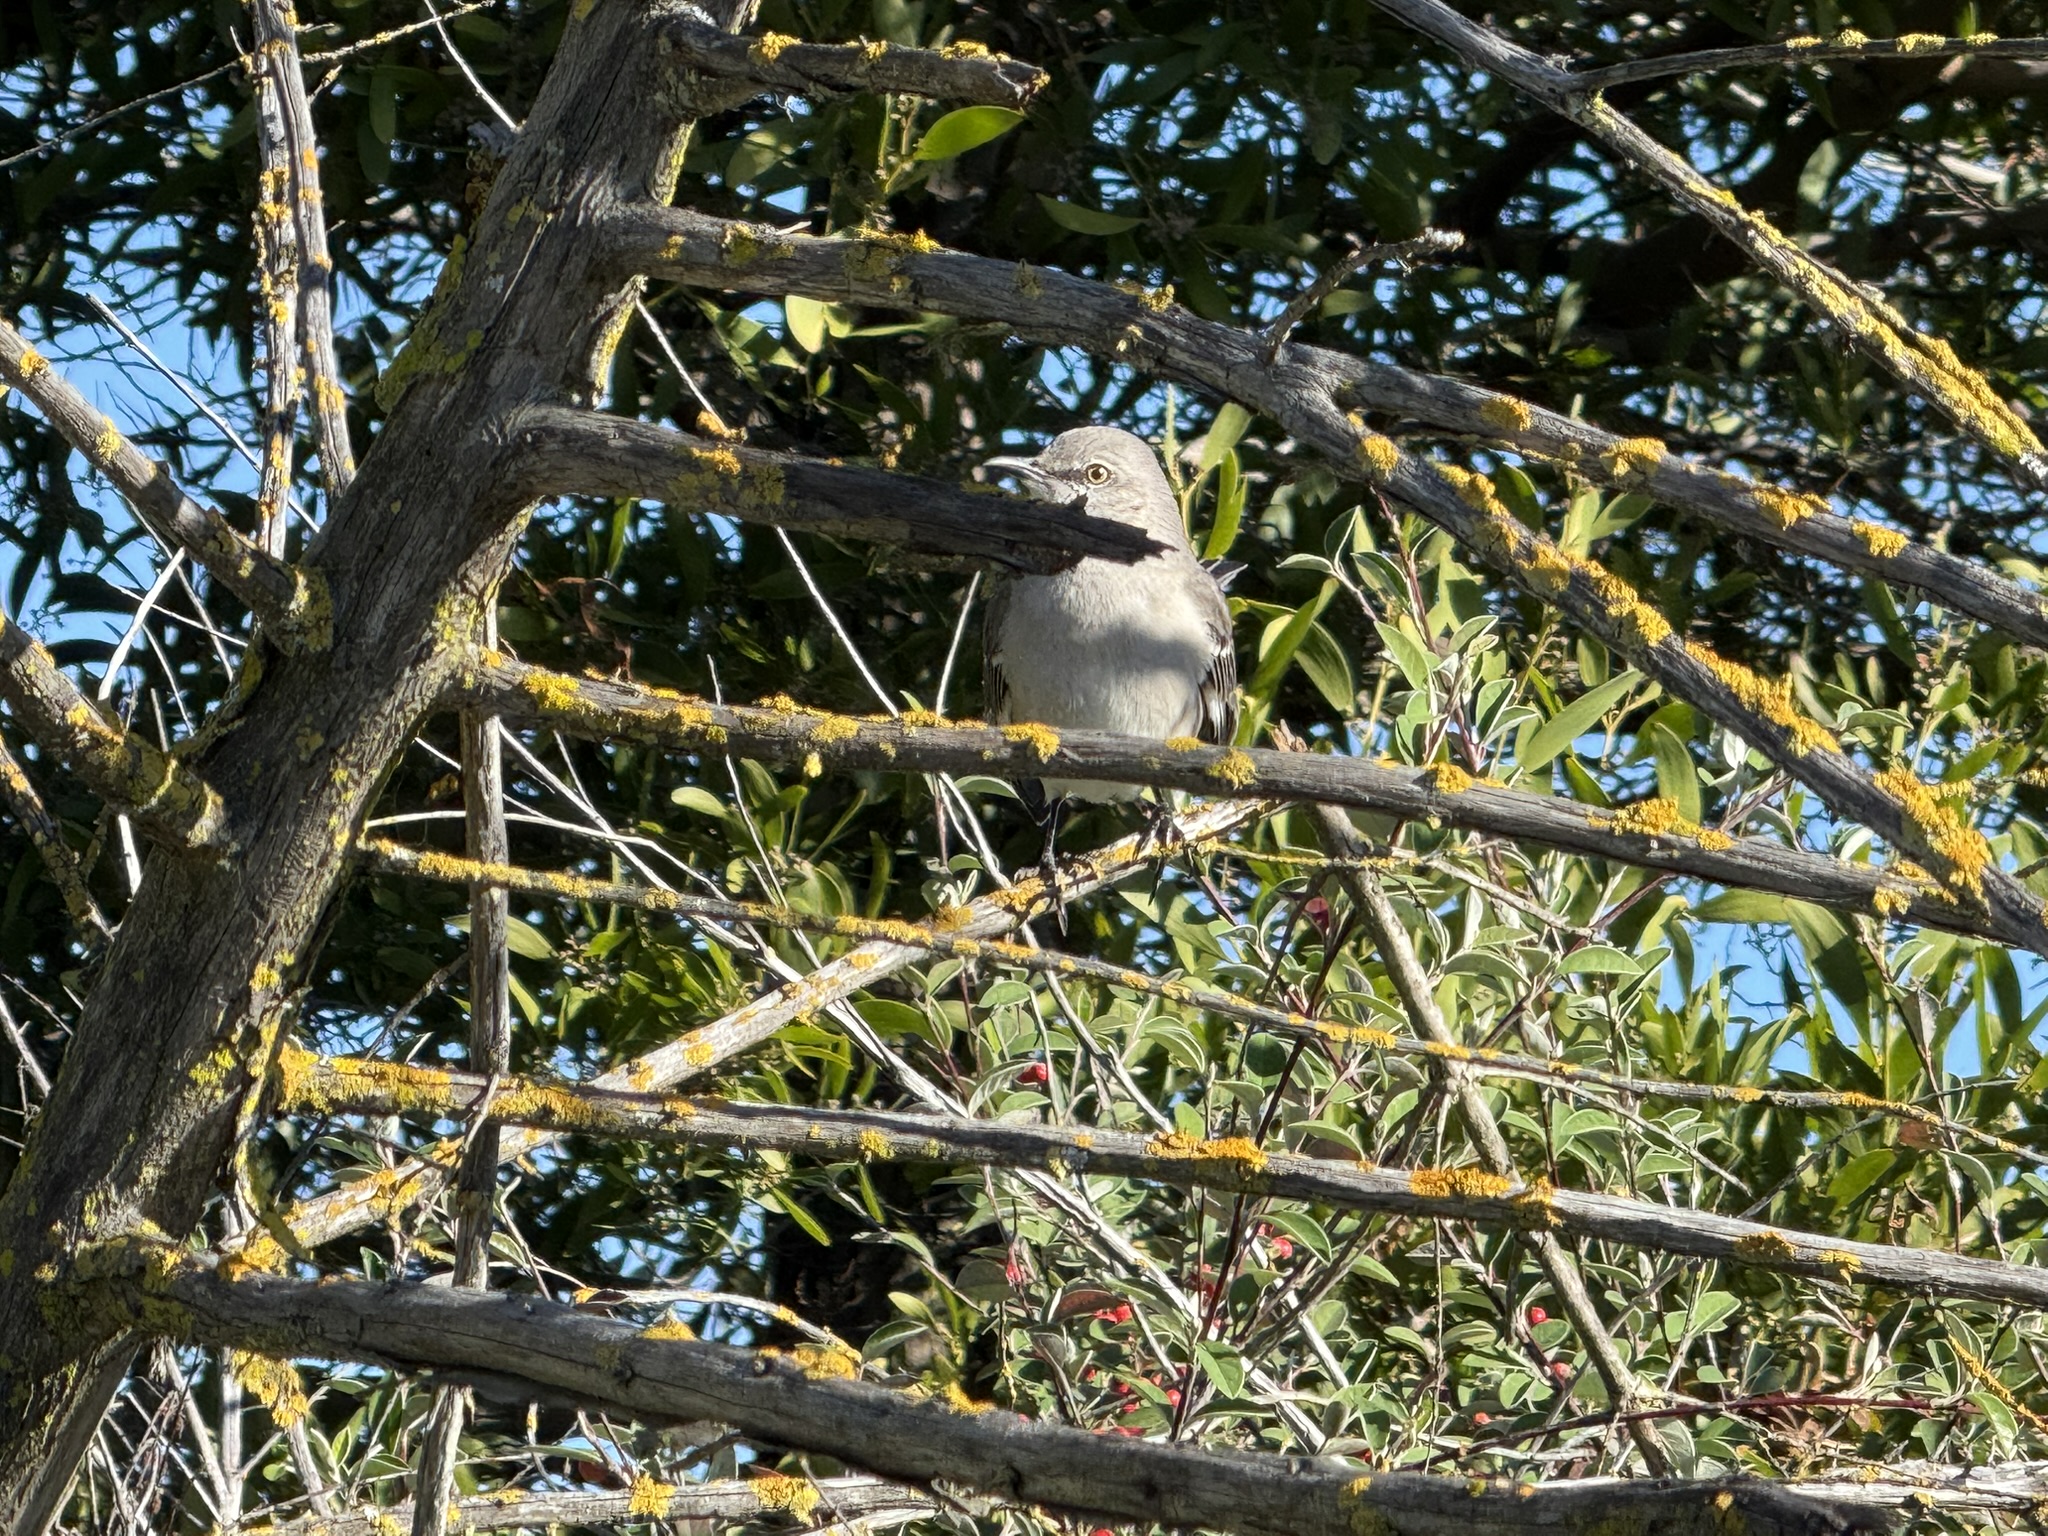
{"type": "Point", "coordinates": [1097, 474]}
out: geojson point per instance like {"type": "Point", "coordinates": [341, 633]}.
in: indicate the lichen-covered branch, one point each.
{"type": "Point", "coordinates": [566, 452]}
{"type": "Point", "coordinates": [170, 801]}
{"type": "Point", "coordinates": [840, 1499]}
{"type": "Point", "coordinates": [277, 278]}
{"type": "Point", "coordinates": [1303, 392]}
{"type": "Point", "coordinates": [322, 1084]}
{"type": "Point", "coordinates": [34, 819]}
{"type": "Point", "coordinates": [964, 72]}
{"type": "Point", "coordinates": [1926, 364]}
{"type": "Point", "coordinates": [1045, 305]}
{"type": "Point", "coordinates": [898, 1434]}
{"type": "Point", "coordinates": [277, 57]}
{"type": "Point", "coordinates": [290, 603]}
{"type": "Point", "coordinates": [383, 1196]}
{"type": "Point", "coordinates": [939, 936]}
{"type": "Point", "coordinates": [1651, 834]}
{"type": "Point", "coordinates": [1846, 45]}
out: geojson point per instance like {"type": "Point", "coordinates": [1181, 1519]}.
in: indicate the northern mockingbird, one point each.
{"type": "Point", "coordinates": [1143, 649]}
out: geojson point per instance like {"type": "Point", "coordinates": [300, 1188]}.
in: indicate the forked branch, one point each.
{"type": "Point", "coordinates": [958, 72]}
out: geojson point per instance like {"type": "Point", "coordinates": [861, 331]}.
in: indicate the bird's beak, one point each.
{"type": "Point", "coordinates": [1036, 483]}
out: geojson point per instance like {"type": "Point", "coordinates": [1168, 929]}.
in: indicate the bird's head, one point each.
{"type": "Point", "coordinates": [1107, 470]}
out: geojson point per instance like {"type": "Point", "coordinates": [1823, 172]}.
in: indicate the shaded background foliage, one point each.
{"type": "Point", "coordinates": [1230, 151]}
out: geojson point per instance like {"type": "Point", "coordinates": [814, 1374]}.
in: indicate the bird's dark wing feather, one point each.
{"type": "Point", "coordinates": [1217, 695]}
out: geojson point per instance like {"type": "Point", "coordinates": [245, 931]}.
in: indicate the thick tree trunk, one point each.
{"type": "Point", "coordinates": [173, 1042]}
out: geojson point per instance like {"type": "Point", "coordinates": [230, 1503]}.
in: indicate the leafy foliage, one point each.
{"type": "Point", "coordinates": [1227, 152]}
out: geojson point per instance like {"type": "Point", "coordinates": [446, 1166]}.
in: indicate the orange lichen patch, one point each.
{"type": "Point", "coordinates": [1476, 491]}
{"type": "Point", "coordinates": [966, 49]}
{"type": "Point", "coordinates": [1885, 543]}
{"type": "Point", "coordinates": [649, 1498]}
{"type": "Point", "coordinates": [1950, 837]}
{"type": "Point", "coordinates": [273, 1383]}
{"type": "Point", "coordinates": [1458, 1183]}
{"type": "Point", "coordinates": [834, 728]}
{"type": "Point", "coordinates": [768, 47]}
{"type": "Point", "coordinates": [1844, 1263]}
{"type": "Point", "coordinates": [668, 1328]}
{"type": "Point", "coordinates": [1632, 457]}
{"type": "Point", "coordinates": [796, 1496]}
{"type": "Point", "coordinates": [955, 1397]}
{"type": "Point", "coordinates": [1659, 817]}
{"type": "Point", "coordinates": [1773, 701]}
{"type": "Point", "coordinates": [721, 461]}
{"type": "Point", "coordinates": [698, 1053]}
{"type": "Point", "coordinates": [1785, 508]}
{"type": "Point", "coordinates": [1765, 1248]}
{"type": "Point", "coordinates": [780, 704]}
{"type": "Point", "coordinates": [822, 1362]}
{"type": "Point", "coordinates": [1179, 1146]}
{"type": "Point", "coordinates": [1447, 778]}
{"type": "Point", "coordinates": [261, 1254]}
{"type": "Point", "coordinates": [1043, 740]}
{"type": "Point", "coordinates": [1737, 1093]}
{"type": "Point", "coordinates": [33, 365]}
{"type": "Point", "coordinates": [1020, 897]}
{"type": "Point", "coordinates": [1998, 1389]}
{"type": "Point", "coordinates": [1506, 414]}
{"type": "Point", "coordinates": [922, 720]}
{"type": "Point", "coordinates": [1357, 1034]}
{"type": "Point", "coordinates": [1235, 768]}
{"type": "Point", "coordinates": [1534, 1207]}
{"type": "Point", "coordinates": [1891, 900]}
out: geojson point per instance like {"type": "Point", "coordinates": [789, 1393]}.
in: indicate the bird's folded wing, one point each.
{"type": "Point", "coordinates": [1216, 697]}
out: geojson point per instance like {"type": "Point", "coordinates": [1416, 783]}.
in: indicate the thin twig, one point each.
{"type": "Point", "coordinates": [1430, 243]}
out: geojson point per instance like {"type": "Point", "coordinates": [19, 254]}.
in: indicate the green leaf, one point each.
{"type": "Point", "coordinates": [702, 801]}
{"type": "Point", "coordinates": [1222, 1366]}
{"type": "Point", "coordinates": [1224, 432]}
{"type": "Point", "coordinates": [806, 319]}
{"type": "Point", "coordinates": [796, 1213]}
{"type": "Point", "coordinates": [1575, 719]}
{"type": "Point", "coordinates": [1599, 960]}
{"type": "Point", "coordinates": [1324, 663]}
{"type": "Point", "coordinates": [1409, 654]}
{"type": "Point", "coordinates": [1859, 1173]}
{"type": "Point", "coordinates": [1086, 221]}
{"type": "Point", "coordinates": [1282, 639]}
{"type": "Point", "coordinates": [1677, 776]}
{"type": "Point", "coordinates": [1742, 907]}
{"type": "Point", "coordinates": [1231, 491]}
{"type": "Point", "coordinates": [968, 128]}
{"type": "Point", "coordinates": [525, 940]}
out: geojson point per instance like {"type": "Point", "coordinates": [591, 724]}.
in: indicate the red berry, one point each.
{"type": "Point", "coordinates": [1482, 1418]}
{"type": "Point", "coordinates": [1560, 1370]}
{"type": "Point", "coordinates": [1035, 1074]}
{"type": "Point", "coordinates": [1283, 1248]}
{"type": "Point", "coordinates": [1173, 1397]}
{"type": "Point", "coordinates": [1122, 1314]}
{"type": "Point", "coordinates": [1131, 1407]}
{"type": "Point", "coordinates": [1130, 1429]}
{"type": "Point", "coordinates": [1538, 1316]}
{"type": "Point", "coordinates": [1087, 1373]}
{"type": "Point", "coordinates": [1124, 1389]}
{"type": "Point", "coordinates": [1102, 1530]}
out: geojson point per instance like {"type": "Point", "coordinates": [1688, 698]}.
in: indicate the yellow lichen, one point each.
{"type": "Point", "coordinates": [273, 1383]}
{"type": "Point", "coordinates": [1786, 508]}
{"type": "Point", "coordinates": [668, 1328]}
{"type": "Point", "coordinates": [834, 728]}
{"type": "Point", "coordinates": [1458, 1183]}
{"type": "Point", "coordinates": [768, 47]}
{"type": "Point", "coordinates": [649, 1498]}
{"type": "Point", "coordinates": [1506, 414]}
{"type": "Point", "coordinates": [965, 49]}
{"type": "Point", "coordinates": [1840, 1260]}
{"type": "Point", "coordinates": [1765, 1248]}
{"type": "Point", "coordinates": [1804, 42]}
{"type": "Point", "coordinates": [796, 1496]}
{"type": "Point", "coordinates": [1447, 778]}
{"type": "Point", "coordinates": [107, 446]}
{"type": "Point", "coordinates": [1849, 37]}
{"type": "Point", "coordinates": [1043, 740]}
{"type": "Point", "coordinates": [1920, 42]}
{"type": "Point", "coordinates": [822, 1362]}
{"type": "Point", "coordinates": [1381, 454]}
{"type": "Point", "coordinates": [1632, 456]}
{"type": "Point", "coordinates": [1179, 1146]}
{"type": "Point", "coordinates": [1534, 1207]}
{"type": "Point", "coordinates": [1235, 768]}
{"type": "Point", "coordinates": [1881, 541]}
{"type": "Point", "coordinates": [1772, 701]}
{"type": "Point", "coordinates": [955, 1397]}
{"type": "Point", "coordinates": [1950, 837]}
{"type": "Point", "coordinates": [874, 1146]}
